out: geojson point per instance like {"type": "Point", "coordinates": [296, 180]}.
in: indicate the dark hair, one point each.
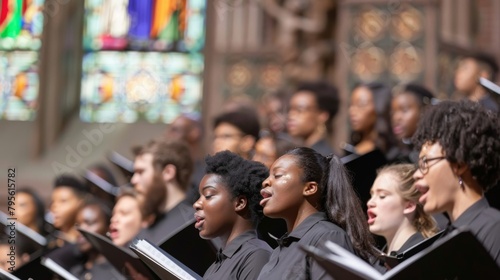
{"type": "Point", "coordinates": [382, 97]}
{"type": "Point", "coordinates": [422, 94]}
{"type": "Point", "coordinates": [39, 206]}
{"type": "Point", "coordinates": [468, 133]}
{"type": "Point", "coordinates": [167, 152]}
{"type": "Point", "coordinates": [242, 177]}
{"type": "Point", "coordinates": [326, 95]}
{"type": "Point", "coordinates": [487, 60]}
{"type": "Point", "coordinates": [339, 201]}
{"type": "Point", "coordinates": [70, 181]}
{"type": "Point", "coordinates": [104, 210]}
{"type": "Point", "coordinates": [245, 119]}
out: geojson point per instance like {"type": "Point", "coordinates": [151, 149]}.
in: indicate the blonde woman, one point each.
{"type": "Point", "coordinates": [394, 211]}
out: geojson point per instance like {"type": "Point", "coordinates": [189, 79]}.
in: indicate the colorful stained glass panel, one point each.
{"type": "Point", "coordinates": [128, 86]}
{"type": "Point", "coordinates": [21, 24]}
{"type": "Point", "coordinates": [143, 59]}
{"type": "Point", "coordinates": [18, 85]}
{"type": "Point", "coordinates": [161, 25]}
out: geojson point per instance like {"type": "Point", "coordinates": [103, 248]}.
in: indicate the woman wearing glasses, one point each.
{"type": "Point", "coordinates": [459, 143]}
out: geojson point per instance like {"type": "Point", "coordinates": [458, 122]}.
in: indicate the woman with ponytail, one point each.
{"type": "Point", "coordinates": [312, 193]}
{"type": "Point", "coordinates": [394, 211]}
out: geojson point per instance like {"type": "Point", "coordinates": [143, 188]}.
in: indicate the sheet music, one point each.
{"type": "Point", "coordinates": [163, 260]}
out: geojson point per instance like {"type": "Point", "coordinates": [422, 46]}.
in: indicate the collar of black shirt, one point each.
{"type": "Point", "coordinates": [471, 213]}
{"type": "Point", "coordinates": [302, 229]}
{"type": "Point", "coordinates": [236, 243]}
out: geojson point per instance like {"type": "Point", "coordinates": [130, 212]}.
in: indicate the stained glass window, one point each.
{"type": "Point", "coordinates": [21, 24]}
{"type": "Point", "coordinates": [142, 59]}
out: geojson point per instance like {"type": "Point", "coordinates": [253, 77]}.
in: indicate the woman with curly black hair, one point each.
{"type": "Point", "coordinates": [312, 193]}
{"type": "Point", "coordinates": [459, 143]}
{"type": "Point", "coordinates": [229, 208]}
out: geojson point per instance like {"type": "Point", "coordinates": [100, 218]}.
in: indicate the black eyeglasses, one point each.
{"type": "Point", "coordinates": [423, 163]}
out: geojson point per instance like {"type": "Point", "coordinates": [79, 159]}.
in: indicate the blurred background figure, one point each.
{"type": "Point", "coordinates": [188, 128]}
{"type": "Point", "coordinates": [274, 107]}
{"type": "Point", "coordinates": [68, 197]}
{"type": "Point", "coordinates": [93, 217]}
{"type": "Point", "coordinates": [369, 114]}
{"type": "Point", "coordinates": [237, 132]}
{"type": "Point", "coordinates": [470, 68]}
{"type": "Point", "coordinates": [162, 171]}
{"type": "Point", "coordinates": [30, 210]}
{"type": "Point", "coordinates": [128, 218]}
{"type": "Point", "coordinates": [407, 105]}
{"type": "Point", "coordinates": [371, 136]}
{"type": "Point", "coordinates": [270, 147]}
{"type": "Point", "coordinates": [312, 108]}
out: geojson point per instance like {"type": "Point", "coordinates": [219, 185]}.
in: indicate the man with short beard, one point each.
{"type": "Point", "coordinates": [162, 171]}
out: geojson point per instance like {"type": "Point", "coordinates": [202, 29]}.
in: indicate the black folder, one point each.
{"type": "Point", "coordinates": [394, 260]}
{"type": "Point", "coordinates": [57, 269]}
{"type": "Point", "coordinates": [186, 245]}
{"type": "Point", "coordinates": [29, 234]}
{"type": "Point", "coordinates": [117, 256]}
{"type": "Point", "coordinates": [125, 165]}
{"type": "Point", "coordinates": [363, 171]}
{"type": "Point", "coordinates": [101, 184]}
{"type": "Point", "coordinates": [459, 255]}
{"type": "Point", "coordinates": [34, 270]}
